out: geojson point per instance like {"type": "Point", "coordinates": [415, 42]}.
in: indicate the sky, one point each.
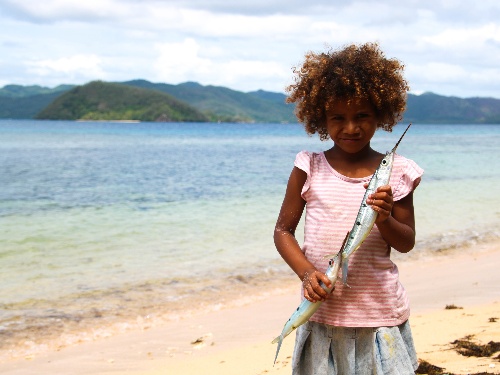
{"type": "Point", "coordinates": [449, 47]}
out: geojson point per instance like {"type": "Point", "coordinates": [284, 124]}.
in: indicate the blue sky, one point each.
{"type": "Point", "coordinates": [449, 47]}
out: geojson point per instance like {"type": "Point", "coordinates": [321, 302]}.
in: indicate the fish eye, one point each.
{"type": "Point", "coordinates": [384, 162]}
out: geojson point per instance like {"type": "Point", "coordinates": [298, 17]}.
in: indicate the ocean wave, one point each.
{"type": "Point", "coordinates": [33, 326]}
{"type": "Point", "coordinates": [450, 243]}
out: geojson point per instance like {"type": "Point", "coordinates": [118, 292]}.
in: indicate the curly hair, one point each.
{"type": "Point", "coordinates": [353, 72]}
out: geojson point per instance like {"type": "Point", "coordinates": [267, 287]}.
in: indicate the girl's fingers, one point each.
{"type": "Point", "coordinates": [382, 199]}
{"type": "Point", "coordinates": [313, 291]}
{"type": "Point", "coordinates": [311, 295]}
{"type": "Point", "coordinates": [380, 204]}
{"type": "Point", "coordinates": [385, 189]}
{"type": "Point", "coordinates": [306, 295]}
{"type": "Point", "coordinates": [325, 280]}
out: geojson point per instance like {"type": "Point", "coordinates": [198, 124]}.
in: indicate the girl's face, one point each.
{"type": "Point", "coordinates": [352, 125]}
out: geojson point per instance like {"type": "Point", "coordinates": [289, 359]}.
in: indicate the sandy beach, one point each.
{"type": "Point", "coordinates": [236, 340]}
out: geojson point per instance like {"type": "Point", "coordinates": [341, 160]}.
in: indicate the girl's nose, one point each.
{"type": "Point", "coordinates": [351, 127]}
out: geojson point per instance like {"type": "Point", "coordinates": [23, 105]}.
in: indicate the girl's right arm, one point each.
{"type": "Point", "coordinates": [286, 243]}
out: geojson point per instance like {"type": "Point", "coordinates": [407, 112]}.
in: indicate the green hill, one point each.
{"type": "Point", "coordinates": [23, 102]}
{"type": "Point", "coordinates": [25, 107]}
{"type": "Point", "coordinates": [112, 101]}
{"type": "Point", "coordinates": [436, 109]}
{"type": "Point", "coordinates": [223, 104]}
{"type": "Point", "coordinates": [18, 91]}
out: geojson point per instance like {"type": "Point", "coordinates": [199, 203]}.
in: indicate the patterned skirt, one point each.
{"type": "Point", "coordinates": [321, 349]}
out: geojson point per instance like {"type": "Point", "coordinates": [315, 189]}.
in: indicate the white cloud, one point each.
{"type": "Point", "coordinates": [466, 41]}
{"type": "Point", "coordinates": [267, 75]}
{"type": "Point", "coordinates": [72, 66]}
{"type": "Point", "coordinates": [178, 61]}
{"type": "Point", "coordinates": [186, 61]}
{"type": "Point", "coordinates": [437, 72]}
{"type": "Point", "coordinates": [447, 46]}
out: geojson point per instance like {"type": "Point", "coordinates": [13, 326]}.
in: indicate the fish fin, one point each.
{"type": "Point", "coordinates": [330, 256]}
{"type": "Point", "coordinates": [345, 268]}
{"type": "Point", "coordinates": [278, 339]}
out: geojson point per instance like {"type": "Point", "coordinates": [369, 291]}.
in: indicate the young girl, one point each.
{"type": "Point", "coordinates": [362, 327]}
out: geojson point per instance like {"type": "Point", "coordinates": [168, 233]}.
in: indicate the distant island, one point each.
{"type": "Point", "coordinates": [141, 100]}
{"type": "Point", "coordinates": [114, 101]}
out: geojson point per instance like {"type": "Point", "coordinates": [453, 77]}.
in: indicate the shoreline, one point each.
{"type": "Point", "coordinates": [63, 323]}
{"type": "Point", "coordinates": [236, 339]}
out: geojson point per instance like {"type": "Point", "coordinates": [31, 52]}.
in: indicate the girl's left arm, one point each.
{"type": "Point", "coordinates": [395, 220]}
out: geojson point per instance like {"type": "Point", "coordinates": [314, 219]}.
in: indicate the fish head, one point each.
{"type": "Point", "coordinates": [334, 266]}
{"type": "Point", "coordinates": [385, 167]}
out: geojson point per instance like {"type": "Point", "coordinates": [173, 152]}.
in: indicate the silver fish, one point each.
{"type": "Point", "coordinates": [306, 309]}
{"type": "Point", "coordinates": [366, 215]}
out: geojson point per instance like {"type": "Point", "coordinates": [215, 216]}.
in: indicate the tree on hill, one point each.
{"type": "Point", "coordinates": [224, 104]}
{"type": "Point", "coordinates": [18, 91]}
{"type": "Point", "coordinates": [112, 101]}
{"type": "Point", "coordinates": [431, 108]}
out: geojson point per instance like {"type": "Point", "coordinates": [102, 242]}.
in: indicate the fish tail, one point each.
{"type": "Point", "coordinates": [278, 340]}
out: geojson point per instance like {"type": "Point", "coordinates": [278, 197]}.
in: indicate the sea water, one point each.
{"type": "Point", "coordinates": [109, 226]}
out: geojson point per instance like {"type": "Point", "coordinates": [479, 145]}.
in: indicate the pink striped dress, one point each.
{"type": "Point", "coordinates": [375, 297]}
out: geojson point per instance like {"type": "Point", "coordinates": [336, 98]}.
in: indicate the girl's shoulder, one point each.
{"type": "Point", "coordinates": [306, 154]}
{"type": "Point", "coordinates": [308, 162]}
{"type": "Point", "coordinates": [407, 166]}
{"type": "Point", "coordinates": [304, 160]}
{"type": "Point", "coordinates": [405, 176]}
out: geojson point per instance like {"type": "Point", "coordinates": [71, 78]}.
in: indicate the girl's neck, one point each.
{"type": "Point", "coordinates": [355, 165]}
{"type": "Point", "coordinates": [364, 154]}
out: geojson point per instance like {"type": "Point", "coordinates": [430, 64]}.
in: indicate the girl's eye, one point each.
{"type": "Point", "coordinates": [362, 115]}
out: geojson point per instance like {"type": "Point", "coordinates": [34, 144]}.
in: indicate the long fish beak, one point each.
{"type": "Point", "coordinates": [397, 144]}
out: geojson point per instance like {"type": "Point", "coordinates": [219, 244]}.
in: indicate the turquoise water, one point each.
{"type": "Point", "coordinates": [114, 223]}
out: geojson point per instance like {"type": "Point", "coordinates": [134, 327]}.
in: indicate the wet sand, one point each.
{"type": "Point", "coordinates": [236, 340]}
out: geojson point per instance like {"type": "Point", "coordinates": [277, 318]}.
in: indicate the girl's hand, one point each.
{"type": "Point", "coordinates": [313, 291]}
{"type": "Point", "coordinates": [382, 202]}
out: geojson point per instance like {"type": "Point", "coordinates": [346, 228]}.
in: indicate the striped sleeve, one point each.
{"type": "Point", "coordinates": [407, 177]}
{"type": "Point", "coordinates": [303, 162]}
